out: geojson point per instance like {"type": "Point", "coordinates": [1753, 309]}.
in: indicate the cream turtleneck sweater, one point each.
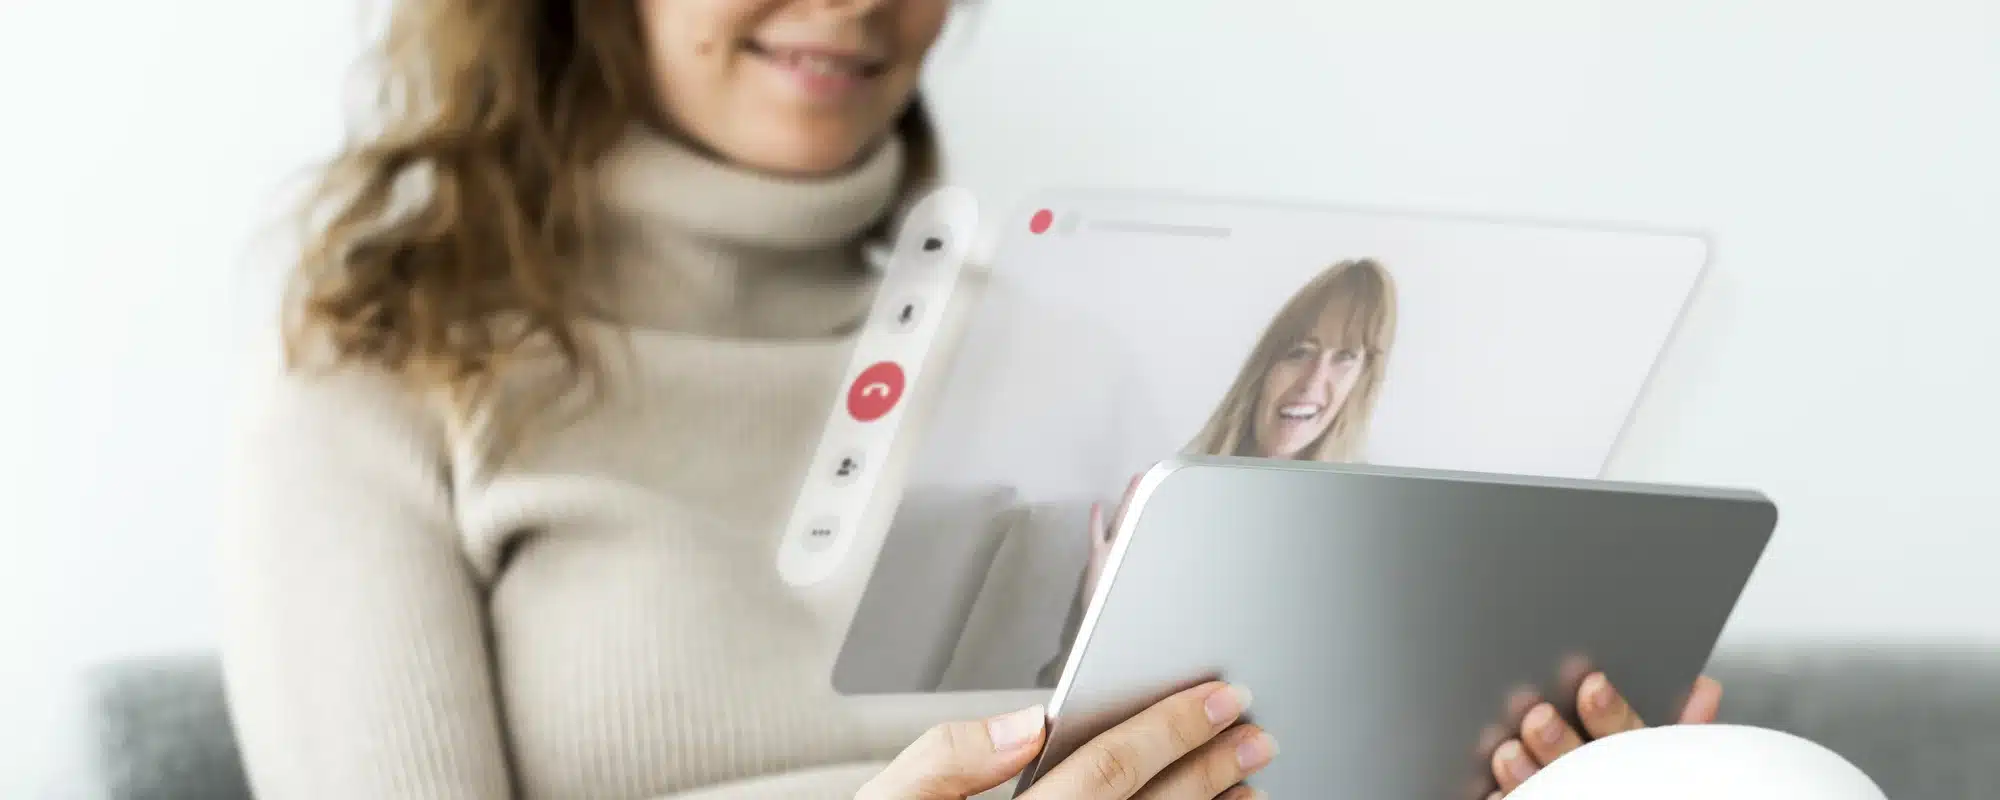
{"type": "Point", "coordinates": [598, 616]}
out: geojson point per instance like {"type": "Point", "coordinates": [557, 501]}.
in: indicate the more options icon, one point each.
{"type": "Point", "coordinates": [820, 532]}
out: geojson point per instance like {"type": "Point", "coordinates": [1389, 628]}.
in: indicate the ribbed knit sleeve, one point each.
{"type": "Point", "coordinates": [354, 641]}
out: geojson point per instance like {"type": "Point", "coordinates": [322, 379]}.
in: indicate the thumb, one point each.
{"type": "Point", "coordinates": [957, 760]}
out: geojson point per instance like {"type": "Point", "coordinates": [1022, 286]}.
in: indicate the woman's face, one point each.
{"type": "Point", "coordinates": [795, 87]}
{"type": "Point", "coordinates": [1303, 390]}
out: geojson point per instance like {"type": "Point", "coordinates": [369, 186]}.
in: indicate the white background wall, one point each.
{"type": "Point", "coordinates": [1843, 356]}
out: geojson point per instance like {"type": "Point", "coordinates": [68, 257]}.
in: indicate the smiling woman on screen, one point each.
{"type": "Point", "coordinates": [1309, 386]}
{"type": "Point", "coordinates": [567, 318]}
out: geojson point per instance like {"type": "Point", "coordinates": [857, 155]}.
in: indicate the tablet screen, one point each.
{"type": "Point", "coordinates": [1114, 330]}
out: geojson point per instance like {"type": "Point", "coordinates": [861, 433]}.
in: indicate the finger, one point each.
{"type": "Point", "coordinates": [1101, 551]}
{"type": "Point", "coordinates": [1547, 735]}
{"type": "Point", "coordinates": [1118, 763]}
{"type": "Point", "coordinates": [1222, 763]}
{"type": "Point", "coordinates": [1513, 766]}
{"type": "Point", "coordinates": [957, 760]}
{"type": "Point", "coordinates": [1124, 501]}
{"type": "Point", "coordinates": [1100, 547]}
{"type": "Point", "coordinates": [1603, 709]}
{"type": "Point", "coordinates": [1704, 703]}
{"type": "Point", "coordinates": [1094, 565]}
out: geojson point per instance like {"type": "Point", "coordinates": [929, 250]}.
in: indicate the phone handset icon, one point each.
{"type": "Point", "coordinates": [875, 391]}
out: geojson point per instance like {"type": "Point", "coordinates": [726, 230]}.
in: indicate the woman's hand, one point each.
{"type": "Point", "coordinates": [1545, 736]}
{"type": "Point", "coordinates": [1101, 530]}
{"type": "Point", "coordinates": [1186, 747]}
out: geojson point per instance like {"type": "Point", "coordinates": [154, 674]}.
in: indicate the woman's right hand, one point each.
{"type": "Point", "coordinates": [1187, 747]}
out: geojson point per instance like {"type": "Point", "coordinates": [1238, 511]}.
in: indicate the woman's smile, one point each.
{"type": "Point", "coordinates": [1296, 426]}
{"type": "Point", "coordinates": [818, 73]}
{"type": "Point", "coordinates": [1301, 411]}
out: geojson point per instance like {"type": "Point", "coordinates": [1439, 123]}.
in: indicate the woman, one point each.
{"type": "Point", "coordinates": [565, 317]}
{"type": "Point", "coordinates": [1309, 385]}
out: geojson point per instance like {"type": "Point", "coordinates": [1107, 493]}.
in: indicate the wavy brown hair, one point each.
{"type": "Point", "coordinates": [458, 229]}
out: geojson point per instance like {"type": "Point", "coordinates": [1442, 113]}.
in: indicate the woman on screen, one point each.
{"type": "Point", "coordinates": [1309, 386]}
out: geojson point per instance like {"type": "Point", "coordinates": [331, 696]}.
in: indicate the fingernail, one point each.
{"type": "Point", "coordinates": [1256, 751]}
{"type": "Point", "coordinates": [1517, 762]}
{"type": "Point", "coordinates": [1597, 692]}
{"type": "Point", "coordinates": [1011, 731]}
{"type": "Point", "coordinates": [1543, 724]}
{"type": "Point", "coordinates": [1226, 704]}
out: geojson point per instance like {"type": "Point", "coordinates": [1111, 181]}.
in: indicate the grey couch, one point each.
{"type": "Point", "coordinates": [1924, 723]}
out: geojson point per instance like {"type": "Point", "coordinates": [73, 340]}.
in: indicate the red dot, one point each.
{"type": "Point", "coordinates": [1040, 222]}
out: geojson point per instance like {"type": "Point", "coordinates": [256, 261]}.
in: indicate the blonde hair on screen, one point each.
{"type": "Point", "coordinates": [1364, 294]}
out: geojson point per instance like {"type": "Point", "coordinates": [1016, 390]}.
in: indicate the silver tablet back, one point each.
{"type": "Point", "coordinates": [1394, 624]}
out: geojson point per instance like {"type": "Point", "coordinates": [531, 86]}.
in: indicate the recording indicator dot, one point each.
{"type": "Point", "coordinates": [1040, 222]}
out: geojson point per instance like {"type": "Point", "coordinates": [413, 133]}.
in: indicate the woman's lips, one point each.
{"type": "Point", "coordinates": [820, 73]}
{"type": "Point", "coordinates": [1299, 412]}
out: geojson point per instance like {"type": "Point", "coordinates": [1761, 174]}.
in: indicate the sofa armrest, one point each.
{"type": "Point", "coordinates": [1923, 722]}
{"type": "Point", "coordinates": [156, 728]}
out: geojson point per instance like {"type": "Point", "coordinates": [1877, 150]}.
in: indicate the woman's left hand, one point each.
{"type": "Point", "coordinates": [1546, 736]}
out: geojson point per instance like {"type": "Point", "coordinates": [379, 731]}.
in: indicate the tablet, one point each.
{"type": "Point", "coordinates": [1115, 329]}
{"type": "Point", "coordinates": [1393, 623]}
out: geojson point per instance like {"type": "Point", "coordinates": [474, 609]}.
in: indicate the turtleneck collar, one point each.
{"type": "Point", "coordinates": [700, 246]}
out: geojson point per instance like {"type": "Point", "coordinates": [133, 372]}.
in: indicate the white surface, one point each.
{"type": "Point", "coordinates": [144, 142]}
{"type": "Point", "coordinates": [1843, 356]}
{"type": "Point", "coordinates": [1712, 762]}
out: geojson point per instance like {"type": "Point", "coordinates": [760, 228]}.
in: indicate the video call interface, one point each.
{"type": "Point", "coordinates": [1114, 331]}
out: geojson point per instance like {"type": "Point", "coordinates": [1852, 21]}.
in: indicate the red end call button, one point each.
{"type": "Point", "coordinates": [875, 391]}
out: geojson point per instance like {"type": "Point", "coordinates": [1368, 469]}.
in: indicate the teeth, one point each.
{"type": "Point", "coordinates": [1299, 411]}
{"type": "Point", "coordinates": [819, 65]}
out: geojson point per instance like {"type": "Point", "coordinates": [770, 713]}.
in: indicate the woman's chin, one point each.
{"type": "Point", "coordinates": [1284, 453]}
{"type": "Point", "coordinates": [801, 154]}
{"type": "Point", "coordinates": [1292, 442]}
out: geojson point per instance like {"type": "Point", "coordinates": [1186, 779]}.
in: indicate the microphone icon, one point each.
{"type": "Point", "coordinates": [905, 315]}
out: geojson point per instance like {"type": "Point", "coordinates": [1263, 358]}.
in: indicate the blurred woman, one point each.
{"type": "Point", "coordinates": [569, 311]}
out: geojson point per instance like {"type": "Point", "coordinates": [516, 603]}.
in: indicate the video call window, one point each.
{"type": "Point", "coordinates": [1115, 330]}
